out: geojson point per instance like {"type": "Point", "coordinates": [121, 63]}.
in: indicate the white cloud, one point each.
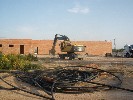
{"type": "Point", "coordinates": [79, 9]}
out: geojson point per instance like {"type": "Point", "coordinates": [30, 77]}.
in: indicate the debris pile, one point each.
{"type": "Point", "coordinates": [70, 79]}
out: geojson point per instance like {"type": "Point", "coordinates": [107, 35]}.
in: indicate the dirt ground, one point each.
{"type": "Point", "coordinates": [123, 65]}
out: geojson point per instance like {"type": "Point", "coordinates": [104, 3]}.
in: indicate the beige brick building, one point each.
{"type": "Point", "coordinates": [26, 46]}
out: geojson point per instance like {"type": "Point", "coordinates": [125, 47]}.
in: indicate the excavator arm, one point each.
{"type": "Point", "coordinates": [58, 37]}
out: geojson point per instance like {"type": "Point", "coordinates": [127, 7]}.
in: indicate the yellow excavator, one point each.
{"type": "Point", "coordinates": [68, 47]}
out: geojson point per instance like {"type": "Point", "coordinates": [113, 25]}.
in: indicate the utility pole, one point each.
{"type": "Point", "coordinates": [114, 44]}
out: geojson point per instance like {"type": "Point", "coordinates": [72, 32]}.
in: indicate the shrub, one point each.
{"type": "Point", "coordinates": [17, 62]}
{"type": "Point", "coordinates": [30, 57]}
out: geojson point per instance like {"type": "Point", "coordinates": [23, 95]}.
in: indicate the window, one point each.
{"type": "Point", "coordinates": [132, 46]}
{"type": "Point", "coordinates": [11, 45]}
{"type": "Point", "coordinates": [0, 45]}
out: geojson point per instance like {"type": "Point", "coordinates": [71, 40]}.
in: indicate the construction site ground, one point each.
{"type": "Point", "coordinates": [123, 65]}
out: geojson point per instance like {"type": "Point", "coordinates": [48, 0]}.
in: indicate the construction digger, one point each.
{"type": "Point", "coordinates": [68, 47]}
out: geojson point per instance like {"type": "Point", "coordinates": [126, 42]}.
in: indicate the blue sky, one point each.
{"type": "Point", "coordinates": [90, 20]}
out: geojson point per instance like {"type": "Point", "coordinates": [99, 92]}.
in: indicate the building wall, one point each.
{"type": "Point", "coordinates": [15, 48]}
{"type": "Point", "coordinates": [43, 46]}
